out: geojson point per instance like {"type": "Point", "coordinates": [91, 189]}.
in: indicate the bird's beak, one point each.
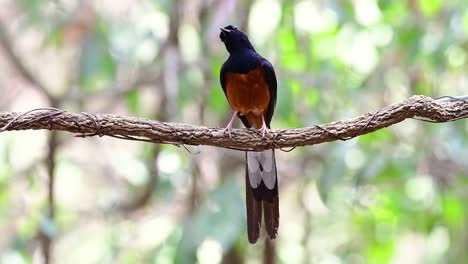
{"type": "Point", "coordinates": [225, 30]}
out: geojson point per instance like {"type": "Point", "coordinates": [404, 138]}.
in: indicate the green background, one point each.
{"type": "Point", "coordinates": [398, 195]}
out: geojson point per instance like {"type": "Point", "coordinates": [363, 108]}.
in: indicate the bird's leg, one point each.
{"type": "Point", "coordinates": [229, 125]}
{"type": "Point", "coordinates": [264, 126]}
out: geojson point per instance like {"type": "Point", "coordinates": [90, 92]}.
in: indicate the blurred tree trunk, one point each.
{"type": "Point", "coordinates": [233, 256]}
{"type": "Point", "coordinates": [269, 252]}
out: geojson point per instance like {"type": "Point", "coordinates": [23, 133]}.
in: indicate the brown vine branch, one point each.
{"type": "Point", "coordinates": [84, 124]}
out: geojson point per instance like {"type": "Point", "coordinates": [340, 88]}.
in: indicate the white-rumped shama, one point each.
{"type": "Point", "coordinates": [249, 83]}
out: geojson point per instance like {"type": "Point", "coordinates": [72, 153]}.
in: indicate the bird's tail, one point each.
{"type": "Point", "coordinates": [261, 193]}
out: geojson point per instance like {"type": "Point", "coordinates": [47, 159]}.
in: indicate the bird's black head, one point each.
{"type": "Point", "coordinates": [234, 39]}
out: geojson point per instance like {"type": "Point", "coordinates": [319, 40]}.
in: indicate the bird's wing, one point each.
{"type": "Point", "coordinates": [270, 78]}
{"type": "Point", "coordinates": [222, 78]}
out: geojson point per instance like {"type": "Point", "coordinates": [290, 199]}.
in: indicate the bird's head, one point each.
{"type": "Point", "coordinates": [234, 39]}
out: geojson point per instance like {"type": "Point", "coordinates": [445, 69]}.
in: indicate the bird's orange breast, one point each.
{"type": "Point", "coordinates": [248, 94]}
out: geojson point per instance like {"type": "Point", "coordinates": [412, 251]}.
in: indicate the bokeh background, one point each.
{"type": "Point", "coordinates": [398, 195]}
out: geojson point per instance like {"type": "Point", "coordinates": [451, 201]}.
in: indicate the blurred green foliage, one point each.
{"type": "Point", "coordinates": [398, 195]}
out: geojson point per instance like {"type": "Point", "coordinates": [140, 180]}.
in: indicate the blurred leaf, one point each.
{"type": "Point", "coordinates": [221, 217]}
{"type": "Point", "coordinates": [33, 10]}
{"type": "Point", "coordinates": [394, 171]}
{"type": "Point", "coordinates": [333, 172]}
{"type": "Point", "coordinates": [4, 202]}
{"type": "Point", "coordinates": [131, 257]}
{"type": "Point", "coordinates": [313, 97]}
{"type": "Point", "coordinates": [394, 10]}
{"type": "Point", "coordinates": [133, 101]}
{"type": "Point", "coordinates": [54, 36]}
{"type": "Point", "coordinates": [164, 189]}
{"type": "Point", "coordinates": [371, 168]}
{"type": "Point", "coordinates": [97, 67]}
{"type": "Point", "coordinates": [192, 82]}
{"type": "Point", "coordinates": [380, 253]}
{"type": "Point", "coordinates": [430, 7]}
{"type": "Point", "coordinates": [291, 58]}
{"type": "Point", "coordinates": [465, 20]}
{"type": "Point", "coordinates": [368, 183]}
{"type": "Point", "coordinates": [409, 39]}
{"type": "Point", "coordinates": [421, 87]}
{"type": "Point", "coordinates": [295, 87]}
{"type": "Point", "coordinates": [217, 99]}
{"type": "Point", "coordinates": [376, 138]}
{"type": "Point", "coordinates": [167, 252]}
{"type": "Point", "coordinates": [452, 210]}
{"type": "Point", "coordinates": [284, 106]}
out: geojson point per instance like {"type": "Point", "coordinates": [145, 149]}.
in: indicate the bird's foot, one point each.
{"type": "Point", "coordinates": [263, 130]}
{"type": "Point", "coordinates": [228, 128]}
{"type": "Point", "coordinates": [229, 125]}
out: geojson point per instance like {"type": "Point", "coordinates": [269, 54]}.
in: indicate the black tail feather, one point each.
{"type": "Point", "coordinates": [257, 199]}
{"type": "Point", "coordinates": [271, 214]}
{"type": "Point", "coordinates": [254, 212]}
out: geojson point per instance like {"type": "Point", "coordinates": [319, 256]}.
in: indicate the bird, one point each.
{"type": "Point", "coordinates": [249, 84]}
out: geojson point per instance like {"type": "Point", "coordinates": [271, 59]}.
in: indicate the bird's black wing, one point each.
{"type": "Point", "coordinates": [270, 78]}
{"type": "Point", "coordinates": [222, 78]}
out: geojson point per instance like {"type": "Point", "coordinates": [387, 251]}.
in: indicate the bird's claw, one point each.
{"type": "Point", "coordinates": [229, 125]}
{"type": "Point", "coordinates": [264, 130]}
{"type": "Point", "coordinates": [228, 128]}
